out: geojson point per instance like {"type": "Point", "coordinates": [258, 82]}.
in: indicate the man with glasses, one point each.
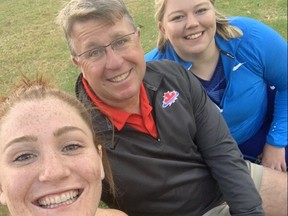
{"type": "Point", "coordinates": [170, 150]}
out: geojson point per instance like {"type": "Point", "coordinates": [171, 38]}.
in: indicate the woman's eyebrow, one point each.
{"type": "Point", "coordinates": [67, 129]}
{"type": "Point", "coordinates": [26, 138]}
{"type": "Point", "coordinates": [195, 6]}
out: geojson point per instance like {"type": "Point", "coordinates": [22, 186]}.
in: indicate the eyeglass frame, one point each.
{"type": "Point", "coordinates": [105, 46]}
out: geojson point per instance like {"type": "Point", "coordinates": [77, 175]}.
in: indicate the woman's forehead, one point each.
{"type": "Point", "coordinates": [36, 109]}
{"type": "Point", "coordinates": [40, 116]}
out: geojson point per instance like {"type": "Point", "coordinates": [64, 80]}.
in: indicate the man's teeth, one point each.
{"type": "Point", "coordinates": [58, 200]}
{"type": "Point", "coordinates": [194, 36]}
{"type": "Point", "coordinates": [120, 77]}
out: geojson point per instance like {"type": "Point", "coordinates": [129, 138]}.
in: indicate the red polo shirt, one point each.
{"type": "Point", "coordinates": [144, 122]}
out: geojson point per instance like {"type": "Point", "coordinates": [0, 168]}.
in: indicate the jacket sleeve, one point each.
{"type": "Point", "coordinates": [274, 60]}
{"type": "Point", "coordinates": [269, 53]}
{"type": "Point", "coordinates": [221, 154]}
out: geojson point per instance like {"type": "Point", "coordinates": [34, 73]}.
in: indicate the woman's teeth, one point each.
{"type": "Point", "coordinates": [194, 36]}
{"type": "Point", "coordinates": [54, 201]}
{"type": "Point", "coordinates": [120, 77]}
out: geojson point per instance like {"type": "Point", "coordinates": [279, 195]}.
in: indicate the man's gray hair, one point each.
{"type": "Point", "coordinates": [106, 11]}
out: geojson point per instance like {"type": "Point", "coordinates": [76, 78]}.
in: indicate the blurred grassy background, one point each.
{"type": "Point", "coordinates": [31, 42]}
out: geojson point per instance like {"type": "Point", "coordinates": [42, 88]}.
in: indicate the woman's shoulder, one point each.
{"type": "Point", "coordinates": [246, 24]}
{"type": "Point", "coordinates": [241, 20]}
{"type": "Point", "coordinates": [255, 33]}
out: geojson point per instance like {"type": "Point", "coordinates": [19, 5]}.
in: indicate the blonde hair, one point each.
{"type": "Point", "coordinates": [39, 89]}
{"type": "Point", "coordinates": [223, 28]}
{"type": "Point", "coordinates": [106, 11]}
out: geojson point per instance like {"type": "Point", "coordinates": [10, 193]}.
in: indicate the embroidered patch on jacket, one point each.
{"type": "Point", "coordinates": [169, 98]}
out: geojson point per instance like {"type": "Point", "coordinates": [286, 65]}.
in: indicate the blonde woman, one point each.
{"type": "Point", "coordinates": [241, 63]}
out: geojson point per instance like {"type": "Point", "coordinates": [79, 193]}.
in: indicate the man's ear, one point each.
{"type": "Point", "coordinates": [138, 35]}
{"type": "Point", "coordinates": [75, 61]}
{"type": "Point", "coordinates": [77, 64]}
{"type": "Point", "coordinates": [139, 31]}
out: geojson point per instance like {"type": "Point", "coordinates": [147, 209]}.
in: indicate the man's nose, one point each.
{"type": "Point", "coordinates": [113, 58]}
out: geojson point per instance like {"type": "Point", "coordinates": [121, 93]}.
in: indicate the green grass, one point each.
{"type": "Point", "coordinates": [31, 42]}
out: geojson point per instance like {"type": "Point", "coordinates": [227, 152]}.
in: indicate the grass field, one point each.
{"type": "Point", "coordinates": [31, 42]}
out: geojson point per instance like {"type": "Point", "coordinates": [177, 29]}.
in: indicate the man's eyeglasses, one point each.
{"type": "Point", "coordinates": [118, 45]}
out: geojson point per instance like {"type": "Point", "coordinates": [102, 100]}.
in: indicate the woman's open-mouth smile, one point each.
{"type": "Point", "coordinates": [55, 201]}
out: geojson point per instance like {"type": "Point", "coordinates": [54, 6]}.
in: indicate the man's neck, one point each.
{"type": "Point", "coordinates": [131, 105]}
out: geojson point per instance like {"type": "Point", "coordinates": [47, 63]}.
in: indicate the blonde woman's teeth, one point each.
{"type": "Point", "coordinates": [194, 36]}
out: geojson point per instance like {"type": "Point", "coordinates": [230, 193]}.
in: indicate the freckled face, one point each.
{"type": "Point", "coordinates": [43, 147]}
{"type": "Point", "coordinates": [190, 26]}
{"type": "Point", "coordinates": [115, 78]}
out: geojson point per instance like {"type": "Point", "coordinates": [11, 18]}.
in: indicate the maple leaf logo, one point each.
{"type": "Point", "coordinates": [169, 98]}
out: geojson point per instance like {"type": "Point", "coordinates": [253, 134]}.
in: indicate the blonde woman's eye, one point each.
{"type": "Point", "coordinates": [201, 11]}
{"type": "Point", "coordinates": [177, 17]}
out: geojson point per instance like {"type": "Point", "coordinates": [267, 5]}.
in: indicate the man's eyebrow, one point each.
{"type": "Point", "coordinates": [91, 45]}
{"type": "Point", "coordinates": [114, 37]}
{"type": "Point", "coordinates": [66, 129]}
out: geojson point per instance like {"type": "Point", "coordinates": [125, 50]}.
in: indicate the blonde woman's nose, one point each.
{"type": "Point", "coordinates": [192, 21]}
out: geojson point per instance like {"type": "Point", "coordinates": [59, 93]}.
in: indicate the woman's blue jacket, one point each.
{"type": "Point", "coordinates": [255, 66]}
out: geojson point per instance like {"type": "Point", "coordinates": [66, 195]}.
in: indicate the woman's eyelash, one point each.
{"type": "Point", "coordinates": [26, 157]}
{"type": "Point", "coordinates": [72, 147]}
{"type": "Point", "coordinates": [201, 10]}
